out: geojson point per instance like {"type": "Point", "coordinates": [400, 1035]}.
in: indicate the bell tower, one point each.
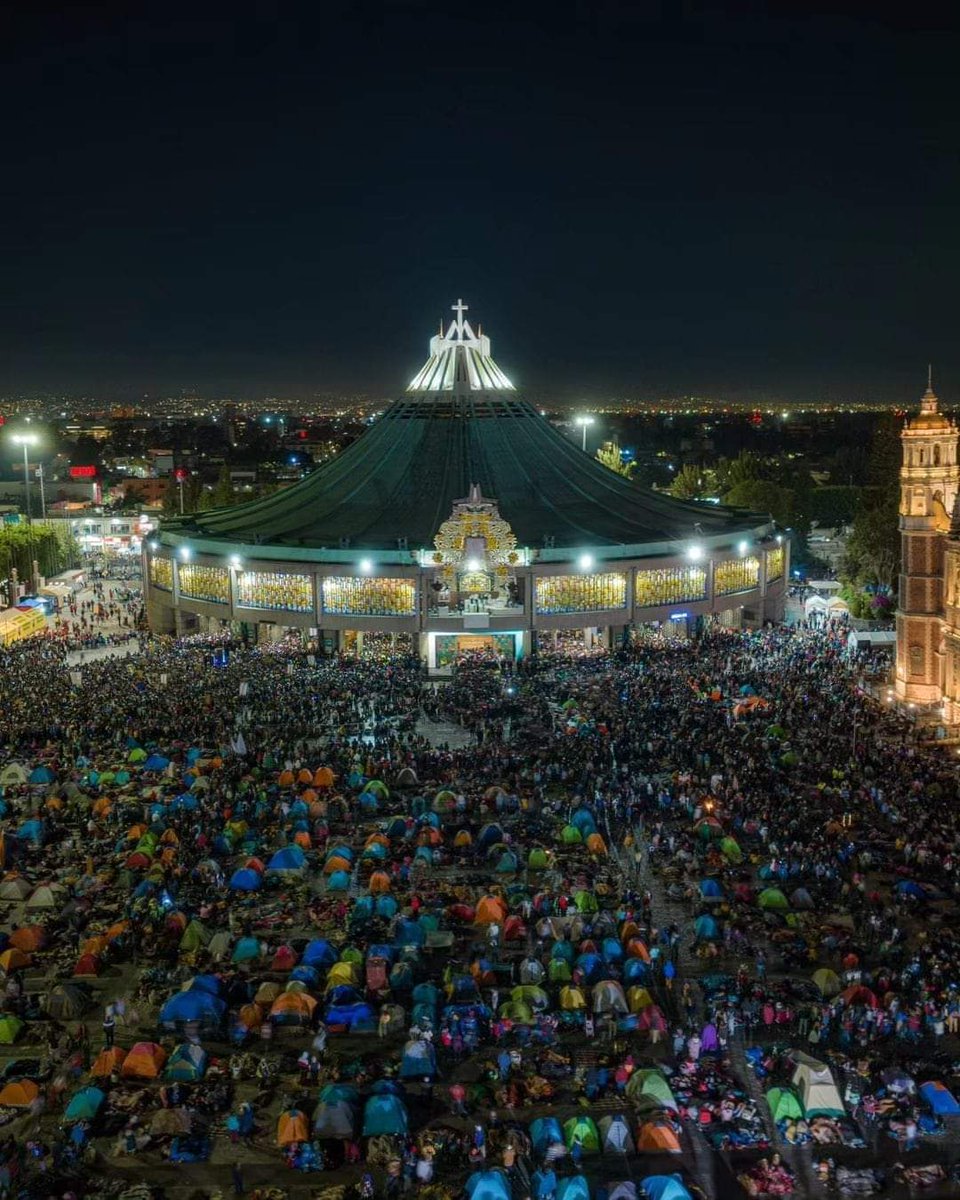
{"type": "Point", "coordinates": [929, 479]}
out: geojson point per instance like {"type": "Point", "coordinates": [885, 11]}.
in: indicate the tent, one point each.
{"type": "Point", "coordinates": [586, 902]}
{"type": "Point", "coordinates": [572, 998]}
{"type": "Point", "coordinates": [319, 953]}
{"type": "Point", "coordinates": [85, 1104]}
{"type": "Point", "coordinates": [651, 1083]}
{"type": "Point", "coordinates": [583, 1131]}
{"type": "Point", "coordinates": [772, 898]}
{"type": "Point", "coordinates": [107, 1062]}
{"type": "Point", "coordinates": [615, 1134]}
{"type": "Point", "coordinates": [10, 1027]}
{"type": "Point", "coordinates": [705, 927]}
{"type": "Point", "coordinates": [731, 851]}
{"type": "Point", "coordinates": [608, 997]}
{"type": "Point", "coordinates": [290, 860]}
{"type": "Point", "coordinates": [337, 1111]}
{"type": "Point", "coordinates": [292, 1008]}
{"type": "Point", "coordinates": [815, 1085]}
{"type": "Point", "coordinates": [187, 1063]}
{"type": "Point", "coordinates": [827, 981]}
{"type": "Point", "coordinates": [21, 1093]}
{"type": "Point", "coordinates": [710, 889]}
{"type": "Point", "coordinates": [784, 1105]}
{"type": "Point", "coordinates": [573, 1187]}
{"type": "Point", "coordinates": [195, 1005]}
{"type": "Point", "coordinates": [246, 950]}
{"type": "Point", "coordinates": [940, 1098]}
{"type": "Point", "coordinates": [144, 1061]}
{"type": "Point", "coordinates": [419, 1060]}
{"type": "Point", "coordinates": [245, 880]}
{"type": "Point", "coordinates": [384, 1114]}
{"type": "Point", "coordinates": [665, 1187]}
{"type": "Point", "coordinates": [488, 1185]}
{"type": "Point", "coordinates": [657, 1137]}
{"type": "Point", "coordinates": [544, 1133]}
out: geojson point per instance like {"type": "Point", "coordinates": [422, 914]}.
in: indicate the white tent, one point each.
{"type": "Point", "coordinates": [818, 1092]}
{"type": "Point", "coordinates": [615, 1135]}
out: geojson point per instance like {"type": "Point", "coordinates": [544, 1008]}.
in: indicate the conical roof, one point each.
{"type": "Point", "coordinates": [460, 431]}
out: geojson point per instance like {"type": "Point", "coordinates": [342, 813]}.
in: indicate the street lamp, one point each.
{"type": "Point", "coordinates": [26, 440]}
{"type": "Point", "coordinates": [584, 421]}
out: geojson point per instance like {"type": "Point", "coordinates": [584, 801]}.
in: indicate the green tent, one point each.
{"type": "Point", "coordinates": [586, 902]}
{"type": "Point", "coordinates": [537, 859]}
{"type": "Point", "coordinates": [559, 971]}
{"type": "Point", "coordinates": [377, 788]}
{"type": "Point", "coordinates": [194, 937]}
{"type": "Point", "coordinates": [773, 898]}
{"type": "Point", "coordinates": [10, 1027]}
{"type": "Point", "coordinates": [651, 1085]}
{"type": "Point", "coordinates": [731, 851]}
{"type": "Point", "coordinates": [137, 755]}
{"type": "Point", "coordinates": [583, 1130]}
{"type": "Point", "coordinates": [784, 1105]}
{"type": "Point", "coordinates": [518, 1011]}
{"type": "Point", "coordinates": [827, 981]}
{"type": "Point", "coordinates": [571, 835]}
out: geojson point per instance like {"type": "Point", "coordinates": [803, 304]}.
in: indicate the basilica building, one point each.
{"type": "Point", "coordinates": [928, 616]}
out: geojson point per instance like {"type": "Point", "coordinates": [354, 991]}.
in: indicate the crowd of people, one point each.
{"type": "Point", "coordinates": [681, 900]}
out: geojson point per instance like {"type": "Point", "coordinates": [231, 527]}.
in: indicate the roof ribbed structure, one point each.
{"type": "Point", "coordinates": [460, 362]}
{"type": "Point", "coordinates": [398, 483]}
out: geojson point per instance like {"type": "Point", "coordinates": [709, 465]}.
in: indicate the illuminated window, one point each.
{"type": "Point", "coordinates": [204, 583]}
{"type": "Point", "coordinates": [736, 575]}
{"type": "Point", "coordinates": [581, 593]}
{"type": "Point", "coordinates": [670, 585]}
{"type": "Point", "coordinates": [161, 573]}
{"type": "Point", "coordinates": [776, 561]}
{"type": "Point", "coordinates": [269, 589]}
{"type": "Point", "coordinates": [355, 597]}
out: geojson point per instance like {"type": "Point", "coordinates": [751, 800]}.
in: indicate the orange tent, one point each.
{"type": "Point", "coordinates": [291, 1006]}
{"type": "Point", "coordinates": [107, 1062]}
{"type": "Point", "coordinates": [94, 946]}
{"type": "Point", "coordinates": [145, 1061]}
{"type": "Point", "coordinates": [14, 960]}
{"type": "Point", "coordinates": [656, 1137]}
{"type": "Point", "coordinates": [285, 779]}
{"type": "Point", "coordinates": [169, 838]}
{"type": "Point", "coordinates": [19, 1094]}
{"type": "Point", "coordinates": [168, 856]}
{"type": "Point", "coordinates": [317, 809]}
{"type": "Point", "coordinates": [117, 929]}
{"type": "Point", "coordinates": [463, 838]}
{"type": "Point", "coordinates": [628, 930]}
{"type": "Point", "coordinates": [430, 837]}
{"type": "Point", "coordinates": [28, 938]}
{"type": "Point", "coordinates": [336, 863]}
{"type": "Point", "coordinates": [304, 776]}
{"type": "Point", "coordinates": [292, 1127]}
{"type": "Point", "coordinates": [596, 844]}
{"type": "Point", "coordinates": [102, 807]}
{"type": "Point", "coordinates": [255, 864]}
{"type": "Point", "coordinates": [302, 839]}
{"type": "Point", "coordinates": [636, 949]}
{"type": "Point", "coordinates": [87, 964]}
{"type": "Point", "coordinates": [54, 802]}
{"type": "Point", "coordinates": [250, 1016]}
{"type": "Point", "coordinates": [323, 777]}
{"type": "Point", "coordinates": [377, 839]}
{"type": "Point", "coordinates": [379, 883]}
{"type": "Point", "coordinates": [490, 910]}
{"type": "Point", "coordinates": [308, 796]}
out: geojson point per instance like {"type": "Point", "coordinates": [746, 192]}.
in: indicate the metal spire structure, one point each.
{"type": "Point", "coordinates": [460, 361]}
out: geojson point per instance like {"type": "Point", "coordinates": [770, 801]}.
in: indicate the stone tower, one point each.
{"type": "Point", "coordinates": [929, 479]}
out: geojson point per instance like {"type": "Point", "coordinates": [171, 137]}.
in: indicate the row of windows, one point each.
{"type": "Point", "coordinates": [580, 593]}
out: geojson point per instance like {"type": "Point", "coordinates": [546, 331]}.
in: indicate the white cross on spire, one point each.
{"type": "Point", "coordinates": [460, 308]}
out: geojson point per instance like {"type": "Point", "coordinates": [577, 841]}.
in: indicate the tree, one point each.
{"type": "Point", "coordinates": [873, 547]}
{"type": "Point", "coordinates": [689, 484]}
{"type": "Point", "coordinates": [763, 496]}
{"type": "Point", "coordinates": [610, 456]}
{"type": "Point", "coordinates": [223, 490]}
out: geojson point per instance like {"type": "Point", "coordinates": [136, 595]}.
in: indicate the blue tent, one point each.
{"type": "Point", "coordinates": [705, 927]}
{"type": "Point", "coordinates": [31, 831]}
{"type": "Point", "coordinates": [940, 1098]}
{"type": "Point", "coordinates": [397, 828]}
{"type": "Point", "coordinates": [574, 1187]}
{"type": "Point", "coordinates": [419, 1061]}
{"type": "Point", "coordinates": [409, 933]}
{"type": "Point", "coordinates": [304, 973]}
{"type": "Point", "coordinates": [592, 966]}
{"type": "Point", "coordinates": [339, 881]}
{"type": "Point", "coordinates": [368, 802]}
{"type": "Point", "coordinates": [376, 850]}
{"type": "Point", "coordinates": [544, 1132]}
{"type": "Point", "coordinates": [543, 1184]}
{"type": "Point", "coordinates": [245, 880]}
{"type": "Point", "coordinates": [156, 762]}
{"type": "Point", "coordinates": [247, 949]}
{"type": "Point", "coordinates": [489, 836]}
{"type": "Point", "coordinates": [384, 1114]}
{"type": "Point", "coordinates": [192, 1006]}
{"type": "Point", "coordinates": [85, 1104]}
{"type": "Point", "coordinates": [290, 858]}
{"type": "Point", "coordinates": [341, 851]}
{"type": "Point", "coordinates": [41, 775]}
{"type": "Point", "coordinates": [186, 1064]}
{"type": "Point", "coordinates": [319, 953]}
{"type": "Point", "coordinates": [358, 1018]}
{"type": "Point", "coordinates": [710, 889]}
{"type": "Point", "coordinates": [906, 887]}
{"type": "Point", "coordinates": [488, 1185]}
{"type": "Point", "coordinates": [665, 1187]}
{"type": "Point", "coordinates": [612, 950]}
{"type": "Point", "coordinates": [634, 970]}
{"type": "Point", "coordinates": [583, 820]}
{"type": "Point", "coordinates": [387, 906]}
{"type": "Point", "coordinates": [343, 993]}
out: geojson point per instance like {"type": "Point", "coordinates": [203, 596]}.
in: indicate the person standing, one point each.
{"type": "Point", "coordinates": [109, 1026]}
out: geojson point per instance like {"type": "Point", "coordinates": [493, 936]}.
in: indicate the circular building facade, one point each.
{"type": "Point", "coordinates": [462, 519]}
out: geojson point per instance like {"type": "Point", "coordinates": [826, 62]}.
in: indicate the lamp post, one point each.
{"type": "Point", "coordinates": [584, 422]}
{"type": "Point", "coordinates": [26, 440]}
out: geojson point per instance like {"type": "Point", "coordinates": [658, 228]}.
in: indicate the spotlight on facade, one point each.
{"type": "Point", "coordinates": [695, 553]}
{"type": "Point", "coordinates": [184, 552]}
{"type": "Point", "coordinates": [235, 560]}
{"type": "Point", "coordinates": [585, 562]}
{"type": "Point", "coordinates": [154, 546]}
{"type": "Point", "coordinates": [366, 566]}
{"type": "Point", "coordinates": [473, 564]}
{"type": "Point", "coordinates": [742, 548]}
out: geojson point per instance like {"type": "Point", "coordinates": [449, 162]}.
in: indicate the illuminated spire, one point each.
{"type": "Point", "coordinates": [929, 402]}
{"type": "Point", "coordinates": [460, 361]}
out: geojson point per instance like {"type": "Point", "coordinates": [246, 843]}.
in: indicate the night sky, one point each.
{"type": "Point", "coordinates": [635, 199]}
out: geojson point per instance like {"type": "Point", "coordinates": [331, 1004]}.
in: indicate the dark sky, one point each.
{"type": "Point", "coordinates": [635, 199]}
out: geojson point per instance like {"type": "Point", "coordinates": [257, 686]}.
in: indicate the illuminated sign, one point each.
{"type": "Point", "coordinates": [83, 472]}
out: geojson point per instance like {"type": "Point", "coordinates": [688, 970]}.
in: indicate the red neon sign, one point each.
{"type": "Point", "coordinates": [83, 472]}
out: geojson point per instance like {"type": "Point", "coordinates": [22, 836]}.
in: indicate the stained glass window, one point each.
{"type": "Point", "coordinates": [581, 593]}
{"type": "Point", "coordinates": [356, 597]}
{"type": "Point", "coordinates": [776, 561]}
{"type": "Point", "coordinates": [198, 582]}
{"type": "Point", "coordinates": [161, 573]}
{"type": "Point", "coordinates": [669, 585]}
{"type": "Point", "coordinates": [736, 575]}
{"type": "Point", "coordinates": [269, 589]}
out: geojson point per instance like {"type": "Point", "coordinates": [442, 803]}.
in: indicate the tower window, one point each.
{"type": "Point", "coordinates": [921, 458]}
{"type": "Point", "coordinates": [936, 456]}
